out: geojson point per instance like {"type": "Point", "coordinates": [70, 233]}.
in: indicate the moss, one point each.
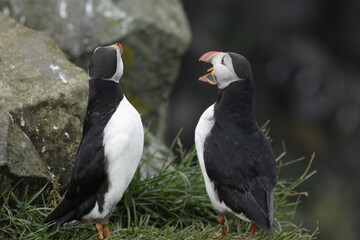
{"type": "Point", "coordinates": [135, 99]}
{"type": "Point", "coordinates": [113, 23]}
{"type": "Point", "coordinates": [128, 57]}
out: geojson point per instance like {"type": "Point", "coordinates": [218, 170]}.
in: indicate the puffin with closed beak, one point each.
{"type": "Point", "coordinates": [110, 149]}
{"type": "Point", "coordinates": [236, 159]}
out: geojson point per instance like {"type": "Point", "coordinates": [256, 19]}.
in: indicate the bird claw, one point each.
{"type": "Point", "coordinates": [217, 235]}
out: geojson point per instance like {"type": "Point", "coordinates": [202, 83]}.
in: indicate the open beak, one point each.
{"type": "Point", "coordinates": [210, 77]}
{"type": "Point", "coordinates": [119, 46]}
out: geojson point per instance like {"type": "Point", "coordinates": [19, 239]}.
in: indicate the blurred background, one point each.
{"type": "Point", "coordinates": [305, 57]}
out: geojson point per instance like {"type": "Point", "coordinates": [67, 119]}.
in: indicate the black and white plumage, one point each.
{"type": "Point", "coordinates": [110, 149]}
{"type": "Point", "coordinates": [235, 157]}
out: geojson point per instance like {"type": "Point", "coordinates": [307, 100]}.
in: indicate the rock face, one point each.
{"type": "Point", "coordinates": [155, 33]}
{"type": "Point", "coordinates": [43, 100]}
{"type": "Point", "coordinates": [42, 106]}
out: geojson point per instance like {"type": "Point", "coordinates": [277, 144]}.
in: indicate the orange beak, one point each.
{"type": "Point", "coordinates": [208, 57]}
{"type": "Point", "coordinates": [119, 46]}
{"type": "Point", "coordinates": [210, 77]}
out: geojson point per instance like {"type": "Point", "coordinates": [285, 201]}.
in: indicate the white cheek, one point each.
{"type": "Point", "coordinates": [224, 76]}
{"type": "Point", "coordinates": [222, 73]}
{"type": "Point", "coordinates": [119, 71]}
{"type": "Point", "coordinates": [121, 68]}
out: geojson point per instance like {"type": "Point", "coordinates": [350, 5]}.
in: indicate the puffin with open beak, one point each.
{"type": "Point", "coordinates": [236, 159]}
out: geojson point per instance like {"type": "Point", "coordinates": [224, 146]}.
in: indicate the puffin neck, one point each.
{"type": "Point", "coordinates": [104, 98]}
{"type": "Point", "coordinates": [104, 88]}
{"type": "Point", "coordinates": [236, 102]}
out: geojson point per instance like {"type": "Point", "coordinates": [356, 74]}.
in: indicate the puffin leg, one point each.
{"type": "Point", "coordinates": [106, 229]}
{"type": "Point", "coordinates": [222, 224]}
{"type": "Point", "coordinates": [223, 228]}
{"type": "Point", "coordinates": [252, 230]}
{"type": "Point", "coordinates": [99, 229]}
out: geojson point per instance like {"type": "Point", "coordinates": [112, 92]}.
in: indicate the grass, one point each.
{"type": "Point", "coordinates": [170, 205]}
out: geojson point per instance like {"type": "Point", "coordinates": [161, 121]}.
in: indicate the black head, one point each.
{"type": "Point", "coordinates": [106, 63]}
{"type": "Point", "coordinates": [241, 66]}
{"type": "Point", "coordinates": [227, 67]}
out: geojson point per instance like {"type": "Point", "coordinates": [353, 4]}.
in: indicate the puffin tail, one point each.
{"type": "Point", "coordinates": [268, 225]}
{"type": "Point", "coordinates": [61, 221]}
{"type": "Point", "coordinates": [63, 213]}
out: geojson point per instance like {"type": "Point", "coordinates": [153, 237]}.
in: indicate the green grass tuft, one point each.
{"type": "Point", "coordinates": [171, 205]}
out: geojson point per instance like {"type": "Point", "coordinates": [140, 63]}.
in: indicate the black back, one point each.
{"type": "Point", "coordinates": [89, 181]}
{"type": "Point", "coordinates": [238, 157]}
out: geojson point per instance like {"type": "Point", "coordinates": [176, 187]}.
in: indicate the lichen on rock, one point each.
{"type": "Point", "coordinates": [154, 33]}
{"type": "Point", "coordinates": [44, 96]}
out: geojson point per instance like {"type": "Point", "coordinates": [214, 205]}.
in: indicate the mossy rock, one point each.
{"type": "Point", "coordinates": [43, 101]}
{"type": "Point", "coordinates": [155, 34]}
{"type": "Point", "coordinates": [42, 106]}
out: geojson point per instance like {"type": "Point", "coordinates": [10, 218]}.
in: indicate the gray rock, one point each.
{"type": "Point", "coordinates": [42, 105]}
{"type": "Point", "coordinates": [19, 160]}
{"type": "Point", "coordinates": [80, 26]}
{"type": "Point", "coordinates": [155, 33]}
{"type": "Point", "coordinates": [43, 100]}
{"type": "Point", "coordinates": [156, 156]}
{"type": "Point", "coordinates": [4, 4]}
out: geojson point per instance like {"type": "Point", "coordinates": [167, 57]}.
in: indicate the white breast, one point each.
{"type": "Point", "coordinates": [202, 131]}
{"type": "Point", "coordinates": [123, 146]}
{"type": "Point", "coordinates": [203, 128]}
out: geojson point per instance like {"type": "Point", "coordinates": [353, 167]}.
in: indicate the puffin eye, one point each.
{"type": "Point", "coordinates": [223, 60]}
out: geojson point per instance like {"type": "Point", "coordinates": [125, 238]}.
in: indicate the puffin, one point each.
{"type": "Point", "coordinates": [235, 157]}
{"type": "Point", "coordinates": [109, 152]}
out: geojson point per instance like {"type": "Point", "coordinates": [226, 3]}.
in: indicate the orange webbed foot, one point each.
{"type": "Point", "coordinates": [99, 228]}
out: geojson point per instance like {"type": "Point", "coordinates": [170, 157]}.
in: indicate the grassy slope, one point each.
{"type": "Point", "coordinates": [172, 205]}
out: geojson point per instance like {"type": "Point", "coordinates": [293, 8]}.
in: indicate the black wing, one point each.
{"type": "Point", "coordinates": [89, 182]}
{"type": "Point", "coordinates": [241, 164]}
